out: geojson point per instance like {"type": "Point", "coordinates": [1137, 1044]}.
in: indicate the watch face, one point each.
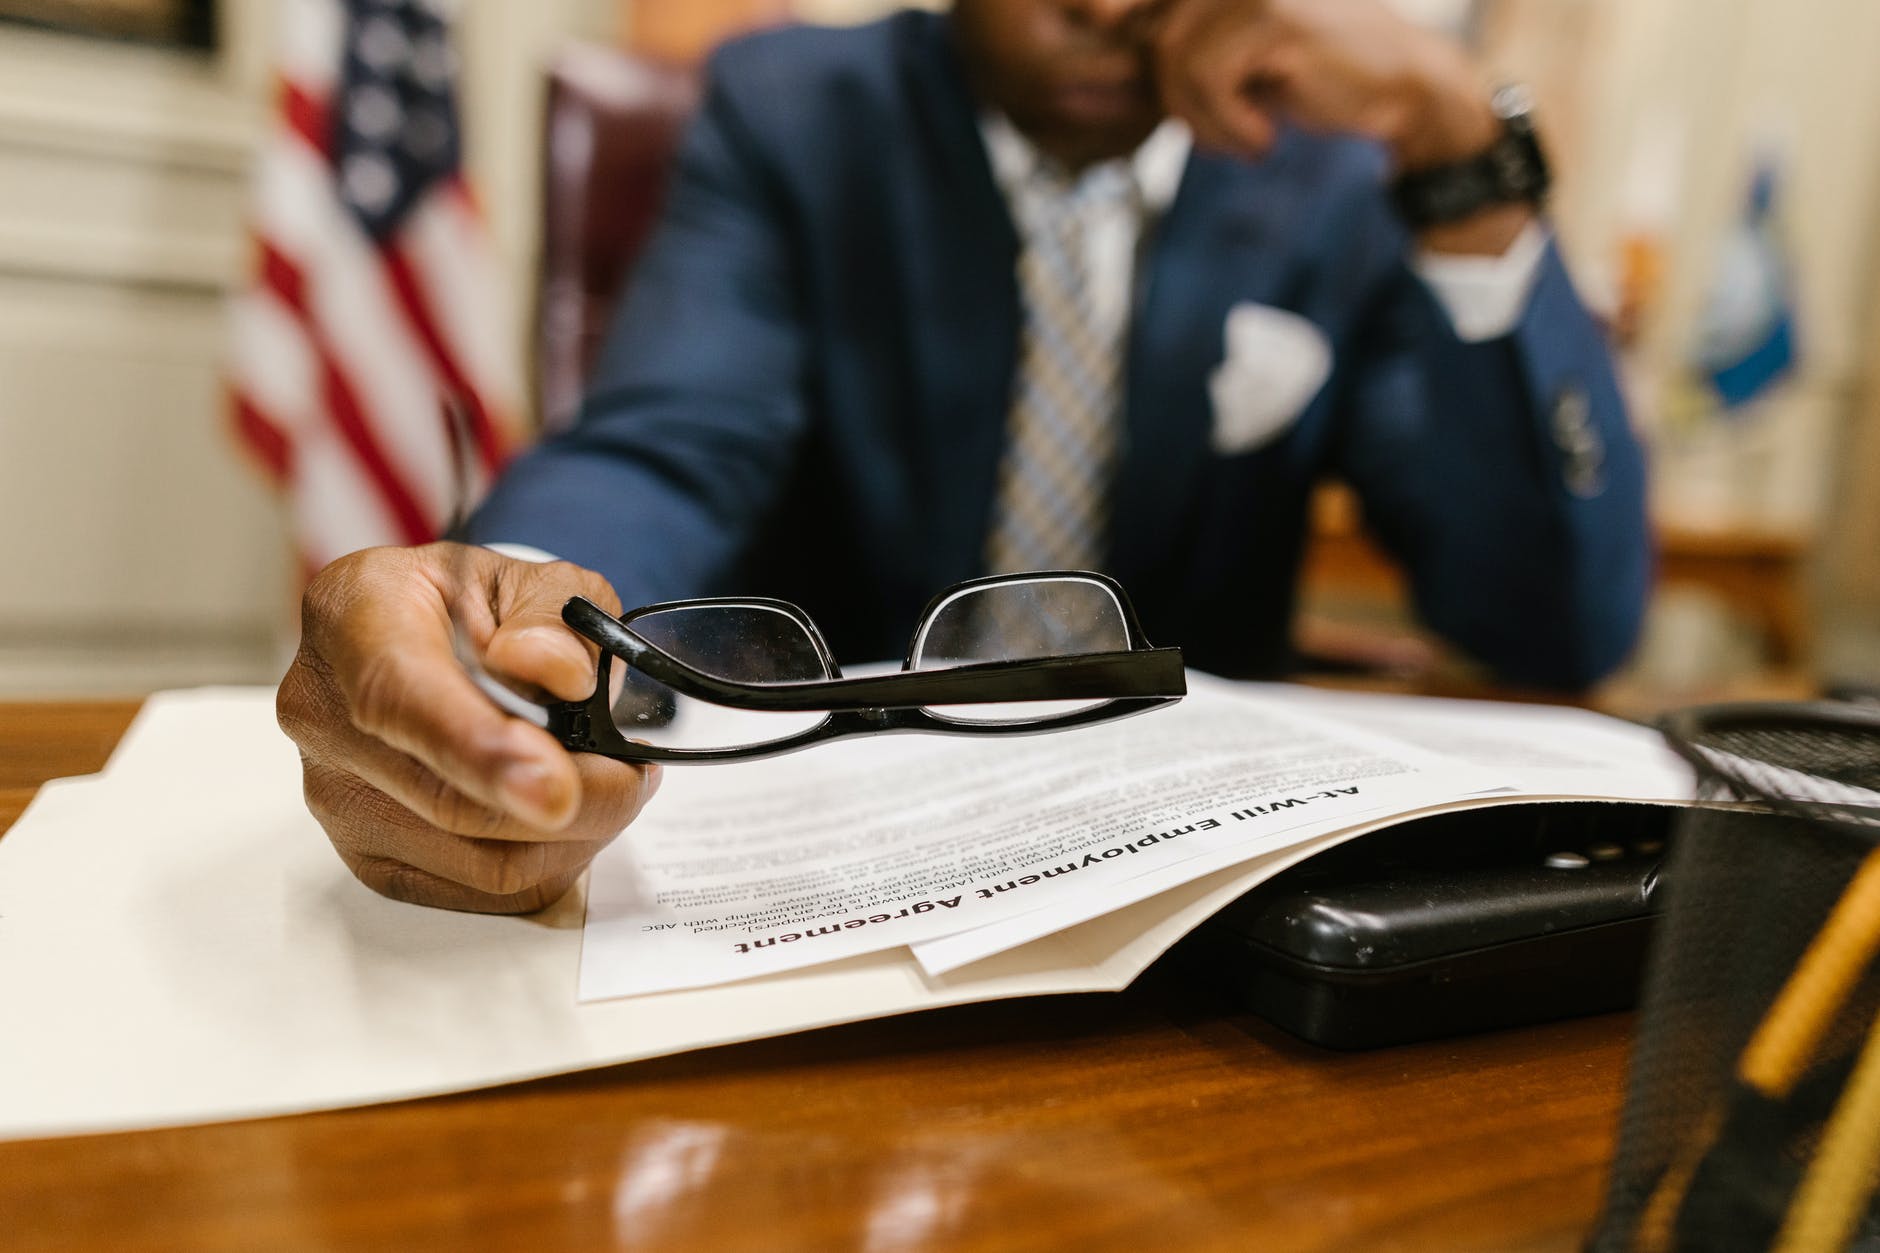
{"type": "Point", "coordinates": [1513, 100]}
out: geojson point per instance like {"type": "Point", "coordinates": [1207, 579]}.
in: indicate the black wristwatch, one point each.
{"type": "Point", "coordinates": [1512, 171]}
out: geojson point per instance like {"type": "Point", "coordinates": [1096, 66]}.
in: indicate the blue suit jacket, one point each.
{"type": "Point", "coordinates": [806, 390]}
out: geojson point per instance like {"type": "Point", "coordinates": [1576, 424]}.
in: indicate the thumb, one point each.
{"type": "Point", "coordinates": [531, 644]}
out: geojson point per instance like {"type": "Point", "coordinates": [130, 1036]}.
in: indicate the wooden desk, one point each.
{"type": "Point", "coordinates": [1158, 1118]}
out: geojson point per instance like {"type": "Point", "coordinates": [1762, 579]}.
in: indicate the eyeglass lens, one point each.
{"type": "Point", "coordinates": [738, 643]}
{"type": "Point", "coordinates": [1019, 620]}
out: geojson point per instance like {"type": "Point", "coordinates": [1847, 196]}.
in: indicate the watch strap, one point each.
{"type": "Point", "coordinates": [1513, 170]}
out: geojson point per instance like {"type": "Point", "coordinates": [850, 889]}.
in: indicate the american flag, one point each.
{"type": "Point", "coordinates": [371, 376]}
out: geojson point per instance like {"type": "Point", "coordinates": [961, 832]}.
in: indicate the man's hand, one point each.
{"type": "Point", "coordinates": [429, 792]}
{"type": "Point", "coordinates": [1234, 70]}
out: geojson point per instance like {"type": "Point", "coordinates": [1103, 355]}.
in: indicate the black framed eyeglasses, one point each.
{"type": "Point", "coordinates": [736, 678]}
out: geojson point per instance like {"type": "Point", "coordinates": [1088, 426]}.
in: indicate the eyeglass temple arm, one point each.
{"type": "Point", "coordinates": [1091, 676]}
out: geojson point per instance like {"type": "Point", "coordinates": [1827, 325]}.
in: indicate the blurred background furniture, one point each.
{"type": "Point", "coordinates": [1759, 575]}
{"type": "Point", "coordinates": [613, 122]}
{"type": "Point", "coordinates": [681, 32]}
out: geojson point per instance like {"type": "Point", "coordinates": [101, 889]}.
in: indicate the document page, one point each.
{"type": "Point", "coordinates": [1535, 750]}
{"type": "Point", "coordinates": [852, 848]}
{"type": "Point", "coordinates": [1547, 750]}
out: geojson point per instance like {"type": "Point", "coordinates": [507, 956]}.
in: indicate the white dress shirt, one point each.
{"type": "Point", "coordinates": [1484, 296]}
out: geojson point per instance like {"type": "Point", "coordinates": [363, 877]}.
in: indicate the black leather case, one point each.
{"type": "Point", "coordinates": [1449, 924]}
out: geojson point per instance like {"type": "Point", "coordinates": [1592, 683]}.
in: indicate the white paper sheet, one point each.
{"type": "Point", "coordinates": [855, 848]}
{"type": "Point", "coordinates": [1546, 751]}
{"type": "Point", "coordinates": [179, 944]}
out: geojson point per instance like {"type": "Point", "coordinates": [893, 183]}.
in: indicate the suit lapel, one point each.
{"type": "Point", "coordinates": [963, 308]}
{"type": "Point", "coordinates": [1214, 247]}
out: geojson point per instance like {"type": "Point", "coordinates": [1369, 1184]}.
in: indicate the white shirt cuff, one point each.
{"type": "Point", "coordinates": [1485, 296]}
{"type": "Point", "coordinates": [521, 552]}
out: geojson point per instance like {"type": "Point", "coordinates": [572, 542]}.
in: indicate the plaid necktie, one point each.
{"type": "Point", "coordinates": [1063, 431]}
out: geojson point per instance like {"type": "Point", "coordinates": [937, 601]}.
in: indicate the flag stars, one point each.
{"type": "Point", "coordinates": [381, 45]}
{"type": "Point", "coordinates": [432, 64]}
{"type": "Point", "coordinates": [395, 130]}
{"type": "Point", "coordinates": [370, 182]}
{"type": "Point", "coordinates": [375, 112]}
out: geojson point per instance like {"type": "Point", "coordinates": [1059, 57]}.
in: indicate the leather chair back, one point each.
{"type": "Point", "coordinates": [613, 123]}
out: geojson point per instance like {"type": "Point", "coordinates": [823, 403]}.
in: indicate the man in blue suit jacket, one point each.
{"type": "Point", "coordinates": [807, 393]}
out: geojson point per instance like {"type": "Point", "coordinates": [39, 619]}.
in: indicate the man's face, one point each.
{"type": "Point", "coordinates": [1072, 74]}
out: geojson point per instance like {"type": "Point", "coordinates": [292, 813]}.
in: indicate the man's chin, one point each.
{"type": "Point", "coordinates": [1087, 138]}
{"type": "Point", "coordinates": [1100, 106]}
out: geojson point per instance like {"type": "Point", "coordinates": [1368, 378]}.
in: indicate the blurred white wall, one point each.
{"type": "Point", "coordinates": [139, 550]}
{"type": "Point", "coordinates": [1702, 86]}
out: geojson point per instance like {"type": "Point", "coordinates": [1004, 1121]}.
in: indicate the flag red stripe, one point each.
{"type": "Point", "coordinates": [306, 116]}
{"type": "Point", "coordinates": [472, 206]}
{"type": "Point", "coordinates": [282, 277]}
{"type": "Point", "coordinates": [264, 437]}
{"type": "Point", "coordinates": [337, 390]}
{"type": "Point", "coordinates": [491, 447]}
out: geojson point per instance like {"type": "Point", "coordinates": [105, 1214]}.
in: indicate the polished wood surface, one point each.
{"type": "Point", "coordinates": [1761, 576]}
{"type": "Point", "coordinates": [45, 740]}
{"type": "Point", "coordinates": [1157, 1118]}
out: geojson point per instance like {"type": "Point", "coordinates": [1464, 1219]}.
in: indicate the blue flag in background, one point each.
{"type": "Point", "coordinates": [1747, 338]}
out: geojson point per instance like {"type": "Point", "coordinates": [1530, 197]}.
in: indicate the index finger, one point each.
{"type": "Point", "coordinates": [423, 704]}
{"type": "Point", "coordinates": [395, 664]}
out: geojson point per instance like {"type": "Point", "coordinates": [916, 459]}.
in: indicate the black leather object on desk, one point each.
{"type": "Point", "coordinates": [1450, 924]}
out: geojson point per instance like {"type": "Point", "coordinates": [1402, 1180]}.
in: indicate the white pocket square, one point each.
{"type": "Point", "coordinates": [1276, 363]}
